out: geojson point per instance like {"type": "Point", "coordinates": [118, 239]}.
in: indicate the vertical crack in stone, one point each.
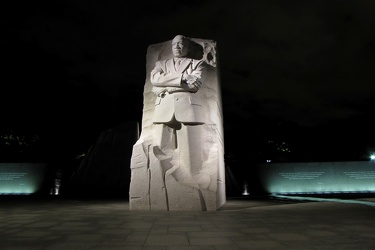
{"type": "Point", "coordinates": [203, 202]}
{"type": "Point", "coordinates": [174, 139]}
{"type": "Point", "coordinates": [165, 190]}
{"type": "Point", "coordinates": [149, 176]}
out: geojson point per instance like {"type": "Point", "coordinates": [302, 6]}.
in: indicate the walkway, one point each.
{"type": "Point", "coordinates": [278, 223]}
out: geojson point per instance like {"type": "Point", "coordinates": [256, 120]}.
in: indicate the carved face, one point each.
{"type": "Point", "coordinates": [179, 46]}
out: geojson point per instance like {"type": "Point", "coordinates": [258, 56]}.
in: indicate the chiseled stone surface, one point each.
{"type": "Point", "coordinates": [179, 165]}
{"type": "Point", "coordinates": [104, 171]}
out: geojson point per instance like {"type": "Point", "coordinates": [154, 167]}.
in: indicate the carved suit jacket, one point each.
{"type": "Point", "coordinates": [174, 98]}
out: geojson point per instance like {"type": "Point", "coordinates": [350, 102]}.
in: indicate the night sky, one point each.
{"type": "Point", "coordinates": [297, 76]}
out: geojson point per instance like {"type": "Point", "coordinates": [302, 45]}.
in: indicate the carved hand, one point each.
{"type": "Point", "coordinates": [192, 82]}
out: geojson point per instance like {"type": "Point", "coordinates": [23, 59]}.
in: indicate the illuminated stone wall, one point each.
{"type": "Point", "coordinates": [318, 177]}
{"type": "Point", "coordinates": [21, 178]}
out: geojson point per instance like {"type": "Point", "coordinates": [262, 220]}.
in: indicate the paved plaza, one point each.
{"type": "Point", "coordinates": [242, 223]}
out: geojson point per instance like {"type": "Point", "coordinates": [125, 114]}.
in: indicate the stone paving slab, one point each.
{"type": "Point", "coordinates": [44, 224]}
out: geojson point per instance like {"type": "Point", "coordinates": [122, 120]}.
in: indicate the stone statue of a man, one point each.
{"type": "Point", "coordinates": [178, 109]}
{"type": "Point", "coordinates": [175, 163]}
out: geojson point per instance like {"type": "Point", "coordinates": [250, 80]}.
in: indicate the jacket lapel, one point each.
{"type": "Point", "coordinates": [170, 66]}
{"type": "Point", "coordinates": [184, 64]}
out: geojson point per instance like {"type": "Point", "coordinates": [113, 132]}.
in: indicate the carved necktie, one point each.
{"type": "Point", "coordinates": [178, 62]}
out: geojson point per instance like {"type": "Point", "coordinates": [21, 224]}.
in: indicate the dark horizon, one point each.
{"type": "Point", "coordinates": [295, 75]}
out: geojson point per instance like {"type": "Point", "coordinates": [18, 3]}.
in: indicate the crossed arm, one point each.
{"type": "Point", "coordinates": [177, 82]}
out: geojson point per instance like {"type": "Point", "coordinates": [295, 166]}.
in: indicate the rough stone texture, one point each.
{"type": "Point", "coordinates": [158, 178]}
{"type": "Point", "coordinates": [104, 171]}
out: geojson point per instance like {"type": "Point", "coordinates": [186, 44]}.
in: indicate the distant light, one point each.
{"type": "Point", "coordinates": [268, 160]}
{"type": "Point", "coordinates": [245, 191]}
{"type": "Point", "coordinates": [372, 157]}
{"type": "Point", "coordinates": [56, 189]}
